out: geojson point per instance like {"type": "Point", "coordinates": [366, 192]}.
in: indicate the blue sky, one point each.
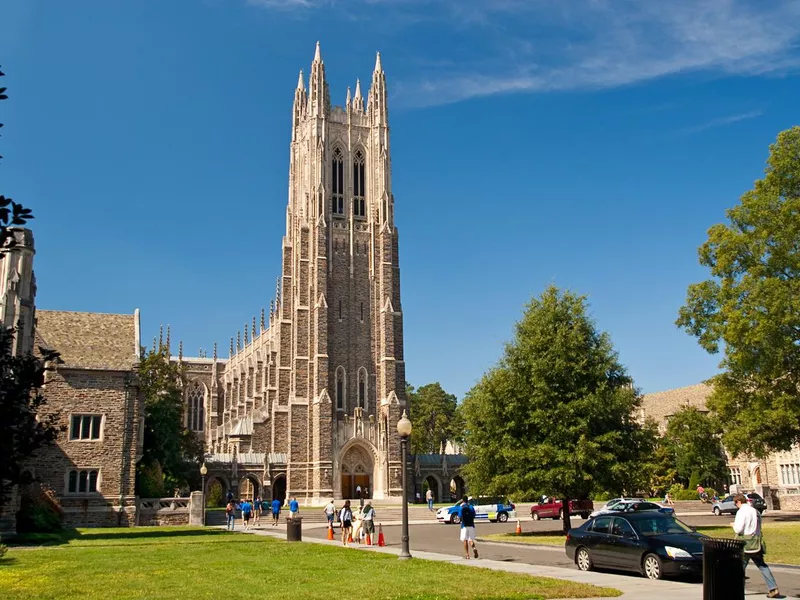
{"type": "Point", "coordinates": [589, 145]}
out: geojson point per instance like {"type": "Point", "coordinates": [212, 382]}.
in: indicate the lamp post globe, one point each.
{"type": "Point", "coordinates": [404, 430]}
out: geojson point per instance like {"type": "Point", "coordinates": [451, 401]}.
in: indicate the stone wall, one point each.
{"type": "Point", "coordinates": [163, 511]}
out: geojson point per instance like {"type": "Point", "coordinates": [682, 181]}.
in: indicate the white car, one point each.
{"type": "Point", "coordinates": [609, 506]}
{"type": "Point", "coordinates": [635, 506]}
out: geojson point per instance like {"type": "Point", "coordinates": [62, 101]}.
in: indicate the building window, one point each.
{"type": "Point", "coordinates": [359, 185]}
{"type": "Point", "coordinates": [362, 312]}
{"type": "Point", "coordinates": [341, 388]}
{"type": "Point", "coordinates": [196, 401]}
{"type": "Point", "coordinates": [85, 427]}
{"type": "Point", "coordinates": [82, 481]}
{"type": "Point", "coordinates": [340, 310]}
{"type": "Point", "coordinates": [790, 474]}
{"type": "Point", "coordinates": [735, 475]}
{"type": "Point", "coordinates": [362, 388]}
{"type": "Point", "coordinates": [337, 180]}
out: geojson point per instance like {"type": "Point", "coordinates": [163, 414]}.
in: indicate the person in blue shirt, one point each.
{"type": "Point", "coordinates": [247, 512]}
{"type": "Point", "coordinates": [293, 508]}
{"type": "Point", "coordinates": [276, 511]}
{"type": "Point", "coordinates": [467, 514]}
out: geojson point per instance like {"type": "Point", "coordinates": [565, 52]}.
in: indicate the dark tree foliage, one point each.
{"type": "Point", "coordinates": [168, 444]}
{"type": "Point", "coordinates": [436, 418]}
{"type": "Point", "coordinates": [556, 416]}
{"type": "Point", "coordinates": [23, 426]}
{"type": "Point", "coordinates": [750, 308]}
{"type": "Point", "coordinates": [11, 213]}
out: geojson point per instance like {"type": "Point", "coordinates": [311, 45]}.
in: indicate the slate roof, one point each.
{"type": "Point", "coordinates": [89, 340]}
{"type": "Point", "coordinates": [662, 405]}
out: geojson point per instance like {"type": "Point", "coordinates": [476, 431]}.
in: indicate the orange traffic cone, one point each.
{"type": "Point", "coordinates": [519, 528]}
{"type": "Point", "coordinates": [350, 537]}
{"type": "Point", "coordinates": [381, 541]}
{"type": "Point", "coordinates": [369, 539]}
{"type": "Point", "coordinates": [330, 531]}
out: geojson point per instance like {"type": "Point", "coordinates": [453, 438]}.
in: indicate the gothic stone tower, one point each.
{"type": "Point", "coordinates": [309, 405]}
{"type": "Point", "coordinates": [341, 293]}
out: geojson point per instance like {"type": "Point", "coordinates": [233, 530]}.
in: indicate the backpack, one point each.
{"type": "Point", "coordinates": [229, 508]}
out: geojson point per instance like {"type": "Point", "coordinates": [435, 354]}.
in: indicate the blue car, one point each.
{"type": "Point", "coordinates": [486, 509]}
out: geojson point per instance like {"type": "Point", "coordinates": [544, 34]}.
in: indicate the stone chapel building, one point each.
{"type": "Point", "coordinates": [308, 401]}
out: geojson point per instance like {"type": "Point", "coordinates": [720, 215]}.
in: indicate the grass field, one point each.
{"type": "Point", "coordinates": [782, 539]}
{"type": "Point", "coordinates": [181, 562]}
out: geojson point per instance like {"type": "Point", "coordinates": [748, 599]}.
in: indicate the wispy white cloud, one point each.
{"type": "Point", "coordinates": [507, 46]}
{"type": "Point", "coordinates": [719, 122]}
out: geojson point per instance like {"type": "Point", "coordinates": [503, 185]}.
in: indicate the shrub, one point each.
{"type": "Point", "coordinates": [40, 511]}
{"type": "Point", "coordinates": [151, 481]}
{"type": "Point", "coordinates": [602, 497]}
{"type": "Point", "coordinates": [3, 550]}
{"type": "Point", "coordinates": [216, 496]}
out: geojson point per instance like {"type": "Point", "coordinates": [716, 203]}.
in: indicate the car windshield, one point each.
{"type": "Point", "coordinates": [660, 526]}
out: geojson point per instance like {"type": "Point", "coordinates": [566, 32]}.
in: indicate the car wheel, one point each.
{"type": "Point", "coordinates": [535, 516]}
{"type": "Point", "coordinates": [717, 511]}
{"type": "Point", "coordinates": [502, 517]}
{"type": "Point", "coordinates": [583, 560]}
{"type": "Point", "coordinates": [651, 565]}
{"type": "Point", "coordinates": [455, 519]}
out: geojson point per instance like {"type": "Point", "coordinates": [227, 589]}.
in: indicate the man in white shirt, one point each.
{"type": "Point", "coordinates": [747, 526]}
{"type": "Point", "coordinates": [330, 512]}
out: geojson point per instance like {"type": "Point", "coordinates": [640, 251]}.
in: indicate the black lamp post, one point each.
{"type": "Point", "coordinates": [404, 429]}
{"type": "Point", "coordinates": [203, 473]}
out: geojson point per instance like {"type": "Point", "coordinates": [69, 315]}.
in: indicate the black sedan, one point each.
{"type": "Point", "coordinates": [648, 542]}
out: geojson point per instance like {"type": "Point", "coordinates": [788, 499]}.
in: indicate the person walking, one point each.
{"type": "Point", "coordinates": [368, 520]}
{"type": "Point", "coordinates": [467, 514]}
{"type": "Point", "coordinates": [330, 512]}
{"type": "Point", "coordinates": [294, 508]}
{"type": "Point", "coordinates": [276, 511]}
{"type": "Point", "coordinates": [247, 512]}
{"type": "Point", "coordinates": [668, 499]}
{"type": "Point", "coordinates": [346, 517]}
{"type": "Point", "coordinates": [257, 511]}
{"type": "Point", "coordinates": [747, 527]}
{"type": "Point", "coordinates": [359, 496]}
{"type": "Point", "coordinates": [429, 499]}
{"type": "Point", "coordinates": [230, 516]}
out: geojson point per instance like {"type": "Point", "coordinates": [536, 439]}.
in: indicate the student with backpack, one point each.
{"type": "Point", "coordinates": [230, 515]}
{"type": "Point", "coordinates": [346, 517]}
{"type": "Point", "coordinates": [467, 514]}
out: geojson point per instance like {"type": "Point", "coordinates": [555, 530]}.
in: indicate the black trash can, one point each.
{"type": "Point", "coordinates": [723, 570]}
{"type": "Point", "coordinates": [294, 529]}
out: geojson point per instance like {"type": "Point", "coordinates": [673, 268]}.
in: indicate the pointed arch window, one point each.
{"type": "Point", "coordinates": [362, 388]}
{"type": "Point", "coordinates": [337, 181]}
{"type": "Point", "coordinates": [341, 388]}
{"type": "Point", "coordinates": [359, 185]}
{"type": "Point", "coordinates": [196, 402]}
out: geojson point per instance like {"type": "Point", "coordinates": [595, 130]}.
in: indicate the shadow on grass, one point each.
{"type": "Point", "coordinates": [134, 533]}
{"type": "Point", "coordinates": [7, 561]}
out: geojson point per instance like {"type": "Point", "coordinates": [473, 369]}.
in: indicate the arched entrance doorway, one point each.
{"type": "Point", "coordinates": [279, 488]}
{"type": "Point", "coordinates": [431, 484]}
{"type": "Point", "coordinates": [216, 491]}
{"type": "Point", "coordinates": [249, 487]}
{"type": "Point", "coordinates": [456, 488]}
{"type": "Point", "coordinates": [356, 471]}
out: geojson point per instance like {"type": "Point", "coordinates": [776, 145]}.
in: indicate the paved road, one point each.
{"type": "Point", "coordinates": [435, 537]}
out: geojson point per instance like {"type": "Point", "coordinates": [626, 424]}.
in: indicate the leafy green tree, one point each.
{"type": "Point", "coordinates": [751, 308]}
{"type": "Point", "coordinates": [556, 414]}
{"type": "Point", "coordinates": [24, 426]}
{"type": "Point", "coordinates": [168, 445]}
{"type": "Point", "coordinates": [436, 418]}
{"type": "Point", "coordinates": [693, 440]}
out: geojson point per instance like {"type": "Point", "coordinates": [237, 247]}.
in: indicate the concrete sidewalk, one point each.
{"type": "Point", "coordinates": [632, 588]}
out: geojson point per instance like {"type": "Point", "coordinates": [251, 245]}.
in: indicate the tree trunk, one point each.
{"type": "Point", "coordinates": [565, 522]}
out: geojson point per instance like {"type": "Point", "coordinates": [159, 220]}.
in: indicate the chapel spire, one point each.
{"type": "Point", "coordinates": [358, 99]}
{"type": "Point", "coordinates": [319, 101]}
{"type": "Point", "coordinates": [377, 107]}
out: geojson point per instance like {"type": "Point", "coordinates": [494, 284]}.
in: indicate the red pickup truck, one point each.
{"type": "Point", "coordinates": [551, 508]}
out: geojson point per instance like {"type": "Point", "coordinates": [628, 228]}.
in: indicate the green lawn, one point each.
{"type": "Point", "coordinates": [183, 562]}
{"type": "Point", "coordinates": [783, 539]}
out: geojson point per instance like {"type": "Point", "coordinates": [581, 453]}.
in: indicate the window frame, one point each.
{"type": "Point", "coordinates": [68, 481]}
{"type": "Point", "coordinates": [337, 183]}
{"type": "Point", "coordinates": [359, 184]}
{"type": "Point", "coordinates": [99, 418]}
{"type": "Point", "coordinates": [196, 406]}
{"type": "Point", "coordinates": [340, 377]}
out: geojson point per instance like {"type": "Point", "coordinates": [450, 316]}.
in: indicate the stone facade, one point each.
{"type": "Point", "coordinates": [18, 289]}
{"type": "Point", "coordinates": [94, 391]}
{"type": "Point", "coordinates": [311, 395]}
{"type": "Point", "coordinates": [776, 477]}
